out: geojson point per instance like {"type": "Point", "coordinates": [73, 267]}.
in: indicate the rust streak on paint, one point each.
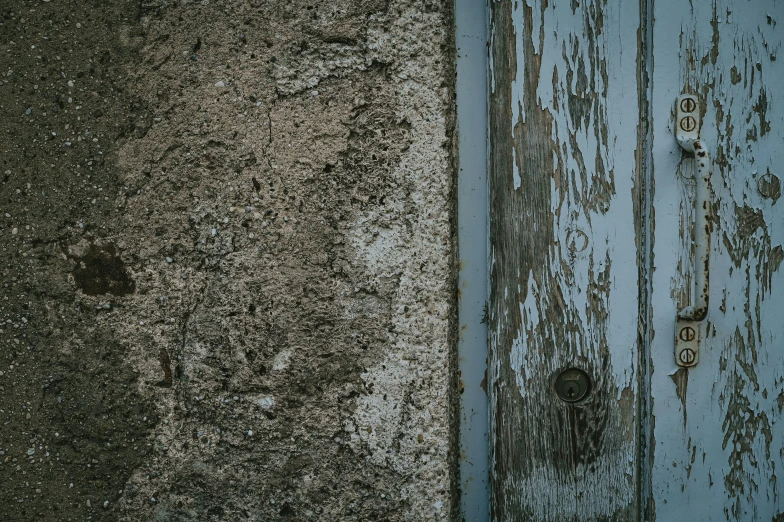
{"type": "Point", "coordinates": [681, 380]}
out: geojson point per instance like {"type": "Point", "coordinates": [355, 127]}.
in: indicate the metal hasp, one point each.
{"type": "Point", "coordinates": [688, 324]}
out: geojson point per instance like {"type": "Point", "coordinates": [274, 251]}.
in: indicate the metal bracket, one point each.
{"type": "Point", "coordinates": [689, 320]}
{"type": "Point", "coordinates": [687, 131]}
{"type": "Point", "coordinates": [687, 342]}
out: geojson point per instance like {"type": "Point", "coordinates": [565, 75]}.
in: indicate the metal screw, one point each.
{"type": "Point", "coordinates": [688, 105]}
{"type": "Point", "coordinates": [688, 124]}
{"type": "Point", "coordinates": [687, 333]}
{"type": "Point", "coordinates": [687, 356]}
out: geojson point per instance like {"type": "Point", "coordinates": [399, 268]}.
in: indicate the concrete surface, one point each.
{"type": "Point", "coordinates": [227, 260]}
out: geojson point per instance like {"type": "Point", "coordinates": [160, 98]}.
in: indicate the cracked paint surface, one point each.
{"type": "Point", "coordinates": [569, 209]}
{"type": "Point", "coordinates": [563, 261]}
{"type": "Point", "coordinates": [717, 450]}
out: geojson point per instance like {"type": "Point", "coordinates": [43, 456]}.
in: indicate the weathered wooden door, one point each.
{"type": "Point", "coordinates": [592, 256]}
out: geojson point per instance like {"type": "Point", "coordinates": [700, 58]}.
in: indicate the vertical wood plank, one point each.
{"type": "Point", "coordinates": [564, 222]}
{"type": "Point", "coordinates": [718, 446]}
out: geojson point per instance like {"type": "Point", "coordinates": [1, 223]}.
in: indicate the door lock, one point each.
{"type": "Point", "coordinates": [572, 385]}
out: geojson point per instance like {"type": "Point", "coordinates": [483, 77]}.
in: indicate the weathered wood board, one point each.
{"type": "Point", "coordinates": [565, 250]}
{"type": "Point", "coordinates": [718, 440]}
{"type": "Point", "coordinates": [592, 254]}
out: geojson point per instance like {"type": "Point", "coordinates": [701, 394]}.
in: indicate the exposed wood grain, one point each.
{"type": "Point", "coordinates": [718, 440]}
{"type": "Point", "coordinates": [564, 257]}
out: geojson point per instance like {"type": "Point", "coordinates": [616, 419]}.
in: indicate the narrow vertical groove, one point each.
{"type": "Point", "coordinates": [450, 73]}
{"type": "Point", "coordinates": [645, 261]}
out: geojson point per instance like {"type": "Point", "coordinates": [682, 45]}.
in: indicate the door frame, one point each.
{"type": "Point", "coordinates": [471, 23]}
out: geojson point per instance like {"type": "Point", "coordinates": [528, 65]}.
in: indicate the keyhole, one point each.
{"type": "Point", "coordinates": [572, 385]}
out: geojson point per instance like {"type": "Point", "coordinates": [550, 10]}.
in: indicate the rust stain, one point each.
{"type": "Point", "coordinates": [681, 380]}
{"type": "Point", "coordinates": [163, 357]}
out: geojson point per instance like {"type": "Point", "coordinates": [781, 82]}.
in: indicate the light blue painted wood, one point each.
{"type": "Point", "coordinates": [718, 435]}
{"type": "Point", "coordinates": [471, 40]}
{"type": "Point", "coordinates": [565, 225]}
{"type": "Point", "coordinates": [712, 440]}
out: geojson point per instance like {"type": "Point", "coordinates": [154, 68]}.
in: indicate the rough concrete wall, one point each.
{"type": "Point", "coordinates": [227, 260]}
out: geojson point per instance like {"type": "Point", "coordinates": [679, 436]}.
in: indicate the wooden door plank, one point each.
{"type": "Point", "coordinates": [718, 447]}
{"type": "Point", "coordinates": [564, 236]}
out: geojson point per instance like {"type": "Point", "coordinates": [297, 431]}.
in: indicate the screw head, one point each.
{"type": "Point", "coordinates": [688, 123]}
{"type": "Point", "coordinates": [688, 105]}
{"type": "Point", "coordinates": [687, 356]}
{"type": "Point", "coordinates": [687, 333]}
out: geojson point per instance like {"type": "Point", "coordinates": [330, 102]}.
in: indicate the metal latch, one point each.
{"type": "Point", "coordinates": [688, 323]}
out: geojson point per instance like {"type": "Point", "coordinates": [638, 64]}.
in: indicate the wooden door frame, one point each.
{"type": "Point", "coordinates": [471, 97]}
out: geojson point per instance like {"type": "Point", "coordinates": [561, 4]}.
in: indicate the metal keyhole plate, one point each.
{"type": "Point", "coordinates": [572, 385]}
